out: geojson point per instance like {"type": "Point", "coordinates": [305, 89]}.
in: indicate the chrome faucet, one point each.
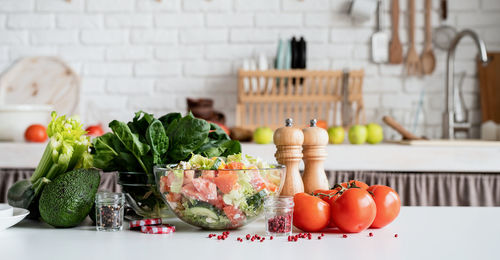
{"type": "Point", "coordinates": [451, 123]}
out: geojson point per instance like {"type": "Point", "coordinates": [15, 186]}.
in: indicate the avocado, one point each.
{"type": "Point", "coordinates": [66, 201]}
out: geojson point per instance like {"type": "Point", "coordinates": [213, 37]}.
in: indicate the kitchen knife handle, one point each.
{"type": "Point", "coordinates": [444, 10]}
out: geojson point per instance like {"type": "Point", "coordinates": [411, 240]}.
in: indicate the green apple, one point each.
{"type": "Point", "coordinates": [336, 135]}
{"type": "Point", "coordinates": [357, 134]}
{"type": "Point", "coordinates": [375, 133]}
{"type": "Point", "coordinates": [263, 135]}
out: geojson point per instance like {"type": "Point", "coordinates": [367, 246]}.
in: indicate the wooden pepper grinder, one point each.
{"type": "Point", "coordinates": [288, 141]}
{"type": "Point", "coordinates": [315, 141]}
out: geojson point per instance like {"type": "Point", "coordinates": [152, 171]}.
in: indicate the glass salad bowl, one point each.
{"type": "Point", "coordinates": [218, 199]}
{"type": "Point", "coordinates": [142, 196]}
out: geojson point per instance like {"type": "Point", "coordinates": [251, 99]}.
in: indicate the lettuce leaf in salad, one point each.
{"type": "Point", "coordinates": [201, 163]}
{"type": "Point", "coordinates": [248, 160]}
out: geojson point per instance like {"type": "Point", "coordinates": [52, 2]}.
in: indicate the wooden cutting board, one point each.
{"type": "Point", "coordinates": [41, 80]}
{"type": "Point", "coordinates": [489, 87]}
{"type": "Point", "coordinates": [439, 142]}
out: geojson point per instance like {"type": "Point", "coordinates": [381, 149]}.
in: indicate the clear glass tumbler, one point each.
{"type": "Point", "coordinates": [279, 215]}
{"type": "Point", "coordinates": [109, 211]}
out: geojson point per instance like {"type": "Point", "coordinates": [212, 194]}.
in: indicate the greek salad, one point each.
{"type": "Point", "coordinates": [219, 192]}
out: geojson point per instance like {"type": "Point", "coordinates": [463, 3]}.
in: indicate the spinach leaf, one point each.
{"type": "Point", "coordinates": [232, 147]}
{"type": "Point", "coordinates": [158, 140]}
{"type": "Point", "coordinates": [105, 151]}
{"type": "Point", "coordinates": [131, 141]}
{"type": "Point", "coordinates": [140, 123]}
{"type": "Point", "coordinates": [217, 133]}
{"type": "Point", "coordinates": [210, 149]}
{"type": "Point", "coordinates": [186, 135]}
{"type": "Point", "coordinates": [169, 118]}
{"type": "Point", "coordinates": [215, 148]}
{"type": "Point", "coordinates": [127, 162]}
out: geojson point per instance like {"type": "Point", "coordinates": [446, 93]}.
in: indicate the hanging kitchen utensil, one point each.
{"type": "Point", "coordinates": [428, 59]}
{"type": "Point", "coordinates": [395, 48]}
{"type": "Point", "coordinates": [489, 87]}
{"type": "Point", "coordinates": [380, 39]}
{"type": "Point", "coordinates": [413, 66]}
{"type": "Point", "coordinates": [444, 34]}
{"type": "Point", "coordinates": [42, 81]}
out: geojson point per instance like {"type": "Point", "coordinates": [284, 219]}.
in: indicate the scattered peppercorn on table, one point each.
{"type": "Point", "coordinates": [418, 233]}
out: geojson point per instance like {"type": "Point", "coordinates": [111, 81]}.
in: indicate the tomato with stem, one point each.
{"type": "Point", "coordinates": [354, 210]}
{"type": "Point", "coordinates": [310, 213]}
{"type": "Point", "coordinates": [388, 205]}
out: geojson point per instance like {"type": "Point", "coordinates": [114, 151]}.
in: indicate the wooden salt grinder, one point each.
{"type": "Point", "coordinates": [288, 141]}
{"type": "Point", "coordinates": [315, 141]}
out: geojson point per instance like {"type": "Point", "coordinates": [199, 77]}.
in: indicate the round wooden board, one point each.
{"type": "Point", "coordinates": [41, 80]}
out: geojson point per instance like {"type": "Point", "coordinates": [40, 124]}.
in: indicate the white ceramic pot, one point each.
{"type": "Point", "coordinates": [14, 119]}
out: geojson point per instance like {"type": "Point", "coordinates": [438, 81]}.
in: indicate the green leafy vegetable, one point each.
{"type": "Point", "coordinates": [68, 148]}
{"type": "Point", "coordinates": [169, 118]}
{"type": "Point", "coordinates": [186, 135]}
{"type": "Point", "coordinates": [130, 141]}
{"type": "Point", "coordinates": [157, 139]}
{"type": "Point", "coordinates": [145, 141]}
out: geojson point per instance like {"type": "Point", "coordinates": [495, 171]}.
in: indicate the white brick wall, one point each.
{"type": "Point", "coordinates": [148, 54]}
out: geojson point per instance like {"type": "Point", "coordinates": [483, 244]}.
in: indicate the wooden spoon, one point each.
{"type": "Point", "coordinates": [428, 59]}
{"type": "Point", "coordinates": [395, 48]}
{"type": "Point", "coordinates": [407, 135]}
{"type": "Point", "coordinates": [413, 65]}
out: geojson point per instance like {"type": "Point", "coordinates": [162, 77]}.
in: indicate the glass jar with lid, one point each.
{"type": "Point", "coordinates": [109, 210]}
{"type": "Point", "coordinates": [279, 215]}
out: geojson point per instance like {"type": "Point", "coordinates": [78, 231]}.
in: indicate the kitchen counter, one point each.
{"type": "Point", "coordinates": [423, 233]}
{"type": "Point", "coordinates": [381, 157]}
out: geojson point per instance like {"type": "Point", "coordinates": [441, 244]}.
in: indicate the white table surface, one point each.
{"type": "Point", "coordinates": [424, 233]}
{"type": "Point", "coordinates": [381, 157]}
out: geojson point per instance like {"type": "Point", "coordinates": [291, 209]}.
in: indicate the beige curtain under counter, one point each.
{"type": "Point", "coordinates": [432, 188]}
{"type": "Point", "coordinates": [415, 189]}
{"type": "Point", "coordinates": [10, 176]}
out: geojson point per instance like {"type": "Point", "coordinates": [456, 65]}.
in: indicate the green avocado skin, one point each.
{"type": "Point", "coordinates": [66, 201]}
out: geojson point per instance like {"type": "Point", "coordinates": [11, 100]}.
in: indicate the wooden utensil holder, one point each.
{"type": "Point", "coordinates": [267, 97]}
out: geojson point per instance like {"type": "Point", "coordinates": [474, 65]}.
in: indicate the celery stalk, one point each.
{"type": "Point", "coordinates": [44, 164]}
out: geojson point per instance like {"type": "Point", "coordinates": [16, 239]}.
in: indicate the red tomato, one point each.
{"type": "Point", "coordinates": [235, 166]}
{"type": "Point", "coordinates": [353, 211]}
{"type": "Point", "coordinates": [328, 196]}
{"type": "Point", "coordinates": [360, 184]}
{"type": "Point", "coordinates": [310, 213]}
{"type": "Point", "coordinates": [322, 123]}
{"type": "Point", "coordinates": [94, 130]}
{"type": "Point", "coordinates": [388, 205]}
{"type": "Point", "coordinates": [36, 133]}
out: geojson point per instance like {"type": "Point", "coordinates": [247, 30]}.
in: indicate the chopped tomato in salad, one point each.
{"type": "Point", "coordinates": [218, 192]}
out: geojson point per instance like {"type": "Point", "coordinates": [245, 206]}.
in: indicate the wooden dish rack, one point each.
{"type": "Point", "coordinates": [266, 98]}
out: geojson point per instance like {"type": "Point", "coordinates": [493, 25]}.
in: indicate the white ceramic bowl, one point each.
{"type": "Point", "coordinates": [6, 210]}
{"type": "Point", "coordinates": [16, 118]}
{"type": "Point", "coordinates": [18, 215]}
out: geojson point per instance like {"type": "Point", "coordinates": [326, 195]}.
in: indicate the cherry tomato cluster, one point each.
{"type": "Point", "coordinates": [351, 207]}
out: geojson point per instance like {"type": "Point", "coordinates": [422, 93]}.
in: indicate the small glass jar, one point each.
{"type": "Point", "coordinates": [109, 211]}
{"type": "Point", "coordinates": [279, 215]}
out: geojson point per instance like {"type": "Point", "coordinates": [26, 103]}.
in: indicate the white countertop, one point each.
{"type": "Point", "coordinates": [381, 157]}
{"type": "Point", "coordinates": [423, 233]}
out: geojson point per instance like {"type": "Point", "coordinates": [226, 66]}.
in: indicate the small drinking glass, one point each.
{"type": "Point", "coordinates": [279, 215]}
{"type": "Point", "coordinates": [109, 211]}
